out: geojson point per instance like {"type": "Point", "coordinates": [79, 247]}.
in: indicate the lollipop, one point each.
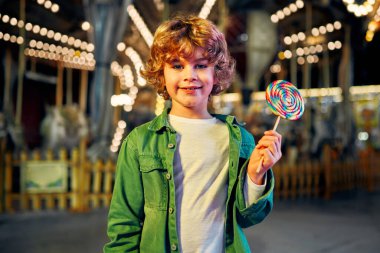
{"type": "Point", "coordinates": [285, 101]}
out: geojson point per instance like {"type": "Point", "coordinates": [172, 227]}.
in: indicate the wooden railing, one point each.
{"type": "Point", "coordinates": [90, 183]}
{"type": "Point", "coordinates": [323, 178]}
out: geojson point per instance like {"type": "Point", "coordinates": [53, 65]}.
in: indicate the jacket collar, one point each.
{"type": "Point", "coordinates": [228, 119]}
{"type": "Point", "coordinates": [162, 121]}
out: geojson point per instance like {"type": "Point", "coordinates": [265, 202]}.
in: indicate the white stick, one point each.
{"type": "Point", "coordinates": [276, 124]}
{"type": "Point", "coordinates": [262, 158]}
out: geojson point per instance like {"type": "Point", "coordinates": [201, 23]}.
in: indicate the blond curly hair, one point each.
{"type": "Point", "coordinates": [178, 37]}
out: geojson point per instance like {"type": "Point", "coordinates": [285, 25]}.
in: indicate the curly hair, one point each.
{"type": "Point", "coordinates": [179, 37]}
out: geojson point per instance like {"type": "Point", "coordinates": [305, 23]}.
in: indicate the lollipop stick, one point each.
{"type": "Point", "coordinates": [262, 158]}
{"type": "Point", "coordinates": [276, 124]}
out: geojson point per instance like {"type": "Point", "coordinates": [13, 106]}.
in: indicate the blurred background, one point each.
{"type": "Point", "coordinates": [71, 91]}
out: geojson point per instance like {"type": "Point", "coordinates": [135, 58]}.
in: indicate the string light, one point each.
{"type": "Point", "coordinates": [356, 93]}
{"type": "Point", "coordinates": [126, 82]}
{"type": "Point", "coordinates": [160, 105]}
{"type": "Point", "coordinates": [359, 10]}
{"type": "Point", "coordinates": [138, 64]}
{"type": "Point", "coordinates": [118, 136]}
{"type": "Point", "coordinates": [302, 52]}
{"type": "Point", "coordinates": [53, 7]}
{"type": "Point", "coordinates": [11, 38]}
{"type": "Point", "coordinates": [140, 24]}
{"type": "Point", "coordinates": [315, 32]}
{"type": "Point", "coordinates": [306, 93]}
{"type": "Point", "coordinates": [206, 8]}
{"type": "Point", "coordinates": [373, 25]}
{"type": "Point", "coordinates": [275, 68]}
{"type": "Point", "coordinates": [360, 90]}
{"type": "Point", "coordinates": [287, 11]}
{"type": "Point", "coordinates": [51, 34]}
{"type": "Point", "coordinates": [70, 57]}
{"type": "Point", "coordinates": [86, 26]}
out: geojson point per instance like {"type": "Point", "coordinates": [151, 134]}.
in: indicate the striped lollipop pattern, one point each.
{"type": "Point", "coordinates": [284, 100]}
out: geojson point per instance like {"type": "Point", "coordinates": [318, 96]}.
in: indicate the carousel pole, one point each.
{"type": "Point", "coordinates": [306, 69]}
{"type": "Point", "coordinates": [6, 110]}
{"type": "Point", "coordinates": [69, 86]}
{"type": "Point", "coordinates": [21, 68]}
{"type": "Point", "coordinates": [166, 11]}
{"type": "Point", "coordinates": [293, 65]}
{"type": "Point", "coordinates": [326, 69]}
{"type": "Point", "coordinates": [83, 90]}
{"type": "Point", "coordinates": [7, 87]}
{"type": "Point", "coordinates": [222, 21]}
{"type": "Point", "coordinates": [345, 81]}
{"type": "Point", "coordinates": [306, 76]}
{"type": "Point", "coordinates": [109, 19]}
{"type": "Point", "coordinates": [59, 89]}
{"type": "Point", "coordinates": [83, 141]}
{"type": "Point", "coordinates": [117, 110]}
{"type": "Point", "coordinates": [33, 64]}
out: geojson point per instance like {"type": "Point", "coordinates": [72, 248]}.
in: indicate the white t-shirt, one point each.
{"type": "Point", "coordinates": [200, 177]}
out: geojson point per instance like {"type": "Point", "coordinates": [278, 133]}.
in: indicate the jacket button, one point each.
{"type": "Point", "coordinates": [170, 145]}
{"type": "Point", "coordinates": [168, 176]}
{"type": "Point", "coordinates": [171, 210]}
{"type": "Point", "coordinates": [174, 247]}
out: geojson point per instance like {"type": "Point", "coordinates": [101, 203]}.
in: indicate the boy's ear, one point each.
{"type": "Point", "coordinates": [215, 88]}
{"type": "Point", "coordinates": [216, 82]}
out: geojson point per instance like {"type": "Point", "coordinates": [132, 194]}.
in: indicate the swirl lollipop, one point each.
{"type": "Point", "coordinates": [285, 101]}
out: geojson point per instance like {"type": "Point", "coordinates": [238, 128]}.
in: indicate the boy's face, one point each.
{"type": "Point", "coordinates": [189, 83]}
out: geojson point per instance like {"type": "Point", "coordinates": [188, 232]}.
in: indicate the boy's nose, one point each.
{"type": "Point", "coordinates": [190, 74]}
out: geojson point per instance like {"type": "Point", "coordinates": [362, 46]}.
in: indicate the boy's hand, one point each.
{"type": "Point", "coordinates": [269, 149]}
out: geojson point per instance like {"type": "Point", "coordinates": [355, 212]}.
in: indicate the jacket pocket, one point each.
{"type": "Point", "coordinates": [154, 182]}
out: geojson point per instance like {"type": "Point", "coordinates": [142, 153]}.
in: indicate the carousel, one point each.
{"type": "Point", "coordinates": [72, 91]}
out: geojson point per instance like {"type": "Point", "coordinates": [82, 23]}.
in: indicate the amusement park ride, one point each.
{"type": "Point", "coordinates": [69, 75]}
{"type": "Point", "coordinates": [67, 61]}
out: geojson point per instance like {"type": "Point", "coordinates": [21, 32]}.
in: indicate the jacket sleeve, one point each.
{"type": "Point", "coordinates": [126, 213]}
{"type": "Point", "coordinates": [255, 213]}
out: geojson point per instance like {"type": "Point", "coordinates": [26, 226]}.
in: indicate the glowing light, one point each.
{"type": "Point", "coordinates": [316, 33]}
{"type": "Point", "coordinates": [363, 136]}
{"type": "Point", "coordinates": [288, 40]}
{"type": "Point", "coordinates": [140, 24]}
{"type": "Point", "coordinates": [301, 60]}
{"type": "Point", "coordinates": [69, 57]}
{"type": "Point", "coordinates": [138, 64]}
{"type": "Point", "coordinates": [288, 54]}
{"type": "Point", "coordinates": [121, 46]}
{"type": "Point", "coordinates": [206, 8]}
{"type": "Point", "coordinates": [53, 7]}
{"type": "Point", "coordinates": [287, 11]}
{"type": "Point", "coordinates": [275, 68]}
{"type": "Point", "coordinates": [86, 26]}
{"type": "Point", "coordinates": [359, 10]}
{"type": "Point", "coordinates": [5, 18]}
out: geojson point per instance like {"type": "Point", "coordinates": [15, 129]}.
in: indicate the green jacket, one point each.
{"type": "Point", "coordinates": [142, 212]}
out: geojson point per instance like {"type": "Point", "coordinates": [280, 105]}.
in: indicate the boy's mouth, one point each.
{"type": "Point", "coordinates": [190, 88]}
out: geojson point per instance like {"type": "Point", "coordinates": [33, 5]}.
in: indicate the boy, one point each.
{"type": "Point", "coordinates": [187, 180]}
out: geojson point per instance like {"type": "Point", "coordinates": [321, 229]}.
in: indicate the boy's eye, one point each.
{"type": "Point", "coordinates": [176, 66]}
{"type": "Point", "coordinates": [201, 66]}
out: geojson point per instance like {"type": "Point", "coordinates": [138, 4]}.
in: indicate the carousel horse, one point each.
{"type": "Point", "coordinates": [63, 127]}
{"type": "Point", "coordinates": [53, 129]}
{"type": "Point", "coordinates": [76, 126]}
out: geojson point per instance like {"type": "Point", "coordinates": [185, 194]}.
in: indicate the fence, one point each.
{"type": "Point", "coordinates": [323, 178]}
{"type": "Point", "coordinates": [90, 183]}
